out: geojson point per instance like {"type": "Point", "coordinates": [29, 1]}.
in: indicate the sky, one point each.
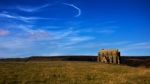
{"type": "Point", "coordinates": [73, 27]}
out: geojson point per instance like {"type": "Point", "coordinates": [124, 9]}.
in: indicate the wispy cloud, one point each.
{"type": "Point", "coordinates": [4, 32]}
{"type": "Point", "coordinates": [42, 33]}
{"type": "Point", "coordinates": [106, 31]}
{"type": "Point", "coordinates": [99, 31]}
{"type": "Point", "coordinates": [35, 34]}
{"type": "Point", "coordinates": [123, 45]}
{"type": "Point", "coordinates": [22, 18]}
{"type": "Point", "coordinates": [75, 7]}
{"type": "Point", "coordinates": [55, 54]}
{"type": "Point", "coordinates": [38, 8]}
{"type": "Point", "coordinates": [137, 45]}
{"type": "Point", "coordinates": [32, 9]}
{"type": "Point", "coordinates": [69, 34]}
{"type": "Point", "coordinates": [15, 43]}
{"type": "Point", "coordinates": [100, 44]}
{"type": "Point", "coordinates": [75, 40]}
{"type": "Point", "coordinates": [35, 39]}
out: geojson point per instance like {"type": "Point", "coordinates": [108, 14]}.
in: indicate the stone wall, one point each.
{"type": "Point", "coordinates": [109, 56]}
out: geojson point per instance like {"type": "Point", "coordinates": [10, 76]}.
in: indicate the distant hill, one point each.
{"type": "Point", "coordinates": [125, 60]}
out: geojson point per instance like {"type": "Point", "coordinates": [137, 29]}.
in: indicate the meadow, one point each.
{"type": "Point", "coordinates": [71, 72]}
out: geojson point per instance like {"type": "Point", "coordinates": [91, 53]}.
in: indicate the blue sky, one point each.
{"type": "Point", "coordinates": [73, 27]}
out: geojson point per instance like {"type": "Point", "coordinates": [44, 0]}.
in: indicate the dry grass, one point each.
{"type": "Point", "coordinates": [61, 72]}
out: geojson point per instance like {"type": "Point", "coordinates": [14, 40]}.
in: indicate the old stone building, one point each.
{"type": "Point", "coordinates": [109, 56]}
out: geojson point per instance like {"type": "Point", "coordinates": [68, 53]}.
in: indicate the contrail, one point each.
{"type": "Point", "coordinates": [78, 9]}
{"type": "Point", "coordinates": [33, 9]}
{"type": "Point", "coordinates": [30, 9]}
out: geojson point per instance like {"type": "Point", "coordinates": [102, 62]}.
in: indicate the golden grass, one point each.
{"type": "Point", "coordinates": [62, 72]}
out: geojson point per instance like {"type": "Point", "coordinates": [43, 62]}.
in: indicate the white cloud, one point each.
{"type": "Point", "coordinates": [55, 54]}
{"type": "Point", "coordinates": [137, 45]}
{"type": "Point", "coordinates": [78, 39]}
{"type": "Point", "coordinates": [15, 43]}
{"type": "Point", "coordinates": [123, 45]}
{"type": "Point", "coordinates": [62, 38]}
{"type": "Point", "coordinates": [22, 18]}
{"type": "Point", "coordinates": [75, 7]}
{"type": "Point", "coordinates": [73, 41]}
{"type": "Point", "coordinates": [32, 9]}
{"type": "Point", "coordinates": [106, 31]}
{"type": "Point", "coordinates": [4, 32]}
{"type": "Point", "coordinates": [99, 30]}
{"type": "Point", "coordinates": [99, 44]}
{"type": "Point", "coordinates": [46, 34]}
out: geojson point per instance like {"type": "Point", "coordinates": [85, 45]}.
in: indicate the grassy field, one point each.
{"type": "Point", "coordinates": [65, 72]}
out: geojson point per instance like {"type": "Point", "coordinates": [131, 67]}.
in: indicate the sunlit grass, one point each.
{"type": "Point", "coordinates": [61, 72]}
